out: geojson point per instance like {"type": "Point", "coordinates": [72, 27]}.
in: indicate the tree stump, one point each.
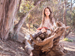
{"type": "Point", "coordinates": [51, 45]}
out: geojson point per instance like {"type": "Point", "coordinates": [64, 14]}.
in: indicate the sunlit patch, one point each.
{"type": "Point", "coordinates": [69, 49]}
{"type": "Point", "coordinates": [21, 48]}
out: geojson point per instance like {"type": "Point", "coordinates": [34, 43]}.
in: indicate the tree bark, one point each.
{"type": "Point", "coordinates": [7, 12]}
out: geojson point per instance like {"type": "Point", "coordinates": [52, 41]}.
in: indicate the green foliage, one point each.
{"type": "Point", "coordinates": [26, 6]}
{"type": "Point", "coordinates": [69, 40]}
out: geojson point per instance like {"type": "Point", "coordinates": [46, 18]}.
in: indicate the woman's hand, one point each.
{"type": "Point", "coordinates": [51, 29]}
{"type": "Point", "coordinates": [37, 31]}
{"type": "Point", "coordinates": [43, 30]}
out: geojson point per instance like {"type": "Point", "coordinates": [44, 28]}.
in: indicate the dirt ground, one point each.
{"type": "Point", "coordinates": [12, 48]}
{"type": "Point", "coordinates": [70, 46]}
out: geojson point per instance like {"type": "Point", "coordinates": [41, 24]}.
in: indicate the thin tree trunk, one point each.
{"type": "Point", "coordinates": [64, 14]}
{"type": "Point", "coordinates": [71, 6]}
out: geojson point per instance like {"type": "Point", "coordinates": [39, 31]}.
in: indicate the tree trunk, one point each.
{"type": "Point", "coordinates": [64, 14]}
{"type": "Point", "coordinates": [71, 6]}
{"type": "Point", "coordinates": [7, 12]}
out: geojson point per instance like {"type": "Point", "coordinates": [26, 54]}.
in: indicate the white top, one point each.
{"type": "Point", "coordinates": [48, 24]}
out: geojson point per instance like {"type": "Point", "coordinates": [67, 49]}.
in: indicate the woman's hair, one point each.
{"type": "Point", "coordinates": [44, 15]}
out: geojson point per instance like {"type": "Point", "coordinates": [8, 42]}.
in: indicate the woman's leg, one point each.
{"type": "Point", "coordinates": [47, 40]}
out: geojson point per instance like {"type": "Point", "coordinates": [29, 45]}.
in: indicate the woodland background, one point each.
{"type": "Point", "coordinates": [19, 18]}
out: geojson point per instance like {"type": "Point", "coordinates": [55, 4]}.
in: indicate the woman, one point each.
{"type": "Point", "coordinates": [48, 22]}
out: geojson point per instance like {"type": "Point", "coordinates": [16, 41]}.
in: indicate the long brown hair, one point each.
{"type": "Point", "coordinates": [44, 15]}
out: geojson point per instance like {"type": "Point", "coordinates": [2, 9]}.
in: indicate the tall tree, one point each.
{"type": "Point", "coordinates": [8, 10]}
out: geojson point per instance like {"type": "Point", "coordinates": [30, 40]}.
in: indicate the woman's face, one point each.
{"type": "Point", "coordinates": [47, 12]}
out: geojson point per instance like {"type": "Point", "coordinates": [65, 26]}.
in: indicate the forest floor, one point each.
{"type": "Point", "coordinates": [70, 46]}
{"type": "Point", "coordinates": [13, 48]}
